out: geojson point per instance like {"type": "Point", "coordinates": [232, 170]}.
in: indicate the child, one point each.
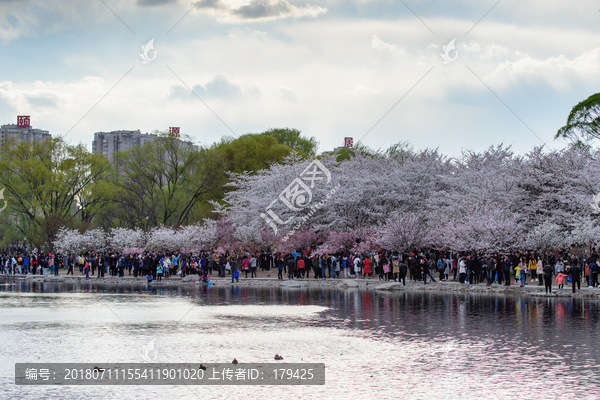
{"type": "Point", "coordinates": [560, 278]}
{"type": "Point", "coordinates": [517, 274]}
{"type": "Point", "coordinates": [159, 272]}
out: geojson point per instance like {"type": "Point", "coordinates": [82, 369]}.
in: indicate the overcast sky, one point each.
{"type": "Point", "coordinates": [330, 68]}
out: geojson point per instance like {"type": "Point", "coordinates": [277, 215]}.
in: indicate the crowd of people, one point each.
{"type": "Point", "coordinates": [526, 268]}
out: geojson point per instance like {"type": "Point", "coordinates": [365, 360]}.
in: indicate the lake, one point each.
{"type": "Point", "coordinates": [409, 345]}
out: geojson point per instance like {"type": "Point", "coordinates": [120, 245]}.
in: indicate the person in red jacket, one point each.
{"type": "Point", "coordinates": [246, 265]}
{"type": "Point", "coordinates": [300, 267]}
{"type": "Point", "coordinates": [560, 279]}
{"type": "Point", "coordinates": [367, 268]}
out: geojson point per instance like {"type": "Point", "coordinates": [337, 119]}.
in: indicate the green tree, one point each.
{"type": "Point", "coordinates": [164, 181]}
{"type": "Point", "coordinates": [252, 152]}
{"type": "Point", "coordinates": [292, 138]}
{"type": "Point", "coordinates": [51, 184]}
{"type": "Point", "coordinates": [583, 124]}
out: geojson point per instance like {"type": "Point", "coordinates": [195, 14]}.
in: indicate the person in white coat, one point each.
{"type": "Point", "coordinates": [357, 266]}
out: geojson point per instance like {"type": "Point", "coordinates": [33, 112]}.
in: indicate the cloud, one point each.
{"type": "Point", "coordinates": [365, 90]}
{"type": "Point", "coordinates": [37, 18]}
{"type": "Point", "coordinates": [288, 94]}
{"type": "Point", "coordinates": [263, 10]}
{"type": "Point", "coordinates": [218, 88]}
{"type": "Point", "coordinates": [214, 4]}
{"type": "Point", "coordinates": [42, 100]}
{"type": "Point", "coordinates": [379, 44]}
{"type": "Point", "coordinates": [154, 3]}
{"type": "Point", "coordinates": [205, 4]}
{"type": "Point", "coordinates": [235, 11]}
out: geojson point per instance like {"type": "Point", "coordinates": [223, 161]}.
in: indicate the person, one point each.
{"type": "Point", "coordinates": [235, 273]}
{"type": "Point", "coordinates": [575, 273]}
{"type": "Point", "coordinates": [101, 267]}
{"type": "Point", "coordinates": [334, 266]}
{"type": "Point", "coordinates": [367, 270]}
{"type": "Point", "coordinates": [507, 270]}
{"type": "Point", "coordinates": [426, 265]}
{"type": "Point", "coordinates": [523, 272]}
{"type": "Point", "coordinates": [35, 263]}
{"type": "Point", "coordinates": [86, 268]}
{"type": "Point", "coordinates": [167, 267]}
{"type": "Point", "coordinates": [121, 267]}
{"type": "Point", "coordinates": [547, 273]}
{"type": "Point", "coordinates": [462, 270]}
{"type": "Point", "coordinates": [586, 273]}
{"type": "Point", "coordinates": [45, 266]}
{"type": "Point", "coordinates": [136, 266]}
{"type": "Point", "coordinates": [386, 267]}
{"type": "Point", "coordinates": [559, 267]}
{"type": "Point", "coordinates": [382, 263]}
{"type": "Point", "coordinates": [159, 270]}
{"type": "Point", "coordinates": [25, 265]}
{"type": "Point", "coordinates": [184, 267]}
{"type": "Point", "coordinates": [174, 264]}
{"type": "Point", "coordinates": [315, 265]}
{"type": "Point", "coordinates": [69, 265]}
{"type": "Point", "coordinates": [540, 270]}
{"type": "Point", "coordinates": [323, 266]}
{"type": "Point", "coordinates": [346, 266]}
{"type": "Point", "coordinates": [51, 263]}
{"type": "Point", "coordinates": [560, 279]}
{"type": "Point", "coordinates": [290, 265]}
{"type": "Point", "coordinates": [279, 267]}
{"type": "Point", "coordinates": [357, 266]}
{"type": "Point", "coordinates": [594, 273]}
{"type": "Point", "coordinates": [129, 264]}
{"type": "Point", "coordinates": [203, 264]}
{"type": "Point", "coordinates": [402, 270]}
{"type": "Point", "coordinates": [454, 266]}
{"type": "Point", "coordinates": [300, 268]}
{"type": "Point", "coordinates": [395, 268]}
{"type": "Point", "coordinates": [253, 263]}
{"type": "Point", "coordinates": [441, 266]}
{"type": "Point", "coordinates": [532, 266]}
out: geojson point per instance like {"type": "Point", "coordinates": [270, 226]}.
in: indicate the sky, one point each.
{"type": "Point", "coordinates": [374, 70]}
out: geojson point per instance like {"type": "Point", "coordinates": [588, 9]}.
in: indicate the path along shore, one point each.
{"type": "Point", "coordinates": [269, 279]}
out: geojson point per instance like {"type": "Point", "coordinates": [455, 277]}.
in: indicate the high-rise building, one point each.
{"type": "Point", "coordinates": [109, 143]}
{"type": "Point", "coordinates": [22, 130]}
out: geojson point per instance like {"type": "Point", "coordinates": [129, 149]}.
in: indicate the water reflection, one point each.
{"type": "Point", "coordinates": [494, 343]}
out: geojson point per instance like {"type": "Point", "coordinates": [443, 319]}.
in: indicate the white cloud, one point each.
{"type": "Point", "coordinates": [379, 44]}
{"type": "Point", "coordinates": [330, 77]}
{"type": "Point", "coordinates": [236, 11]}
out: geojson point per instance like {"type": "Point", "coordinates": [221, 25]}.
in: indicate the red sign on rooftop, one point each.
{"type": "Point", "coordinates": [23, 121]}
{"type": "Point", "coordinates": [348, 142]}
{"type": "Point", "coordinates": [174, 131]}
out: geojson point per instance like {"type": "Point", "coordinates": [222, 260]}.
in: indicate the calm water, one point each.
{"type": "Point", "coordinates": [374, 345]}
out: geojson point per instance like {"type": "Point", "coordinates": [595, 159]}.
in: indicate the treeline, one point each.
{"type": "Point", "coordinates": [166, 182]}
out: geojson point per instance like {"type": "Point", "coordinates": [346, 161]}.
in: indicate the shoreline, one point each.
{"type": "Point", "coordinates": [531, 290]}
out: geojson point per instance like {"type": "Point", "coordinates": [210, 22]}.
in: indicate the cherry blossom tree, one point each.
{"type": "Point", "coordinates": [121, 238]}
